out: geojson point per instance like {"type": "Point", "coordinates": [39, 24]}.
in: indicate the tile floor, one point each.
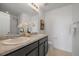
{"type": "Point", "coordinates": [57, 52]}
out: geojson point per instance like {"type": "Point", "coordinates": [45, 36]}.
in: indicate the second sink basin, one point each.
{"type": "Point", "coordinates": [15, 41]}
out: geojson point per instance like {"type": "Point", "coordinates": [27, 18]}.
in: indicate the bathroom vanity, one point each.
{"type": "Point", "coordinates": [36, 46]}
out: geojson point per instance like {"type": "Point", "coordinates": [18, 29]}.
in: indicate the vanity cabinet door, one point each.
{"type": "Point", "coordinates": [33, 52]}
{"type": "Point", "coordinates": [43, 46]}
{"type": "Point", "coordinates": [46, 47]}
{"type": "Point", "coordinates": [41, 49]}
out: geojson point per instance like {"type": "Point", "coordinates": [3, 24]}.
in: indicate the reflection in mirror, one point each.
{"type": "Point", "coordinates": [11, 15]}
{"type": "Point", "coordinates": [4, 23]}
{"type": "Point", "coordinates": [8, 24]}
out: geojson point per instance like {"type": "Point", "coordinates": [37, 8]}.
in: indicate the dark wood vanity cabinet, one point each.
{"type": "Point", "coordinates": [46, 47]}
{"type": "Point", "coordinates": [38, 48]}
{"type": "Point", "coordinates": [43, 46]}
{"type": "Point", "coordinates": [41, 49]}
{"type": "Point", "coordinates": [33, 52]}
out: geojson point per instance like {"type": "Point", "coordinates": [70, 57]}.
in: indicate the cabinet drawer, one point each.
{"type": "Point", "coordinates": [23, 51]}
{"type": "Point", "coordinates": [43, 40]}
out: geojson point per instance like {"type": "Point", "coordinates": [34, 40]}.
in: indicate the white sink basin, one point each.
{"type": "Point", "coordinates": [15, 41]}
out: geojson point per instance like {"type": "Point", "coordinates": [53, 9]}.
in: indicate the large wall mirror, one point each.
{"type": "Point", "coordinates": [12, 13]}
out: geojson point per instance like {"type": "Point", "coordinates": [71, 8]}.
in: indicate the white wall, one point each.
{"type": "Point", "coordinates": [4, 23]}
{"type": "Point", "coordinates": [24, 17]}
{"type": "Point", "coordinates": [13, 24]}
{"type": "Point", "coordinates": [35, 19]}
{"type": "Point", "coordinates": [29, 18]}
{"type": "Point", "coordinates": [58, 24]}
{"type": "Point", "coordinates": [75, 45]}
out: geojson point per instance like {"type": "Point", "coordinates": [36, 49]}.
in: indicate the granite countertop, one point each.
{"type": "Point", "coordinates": [5, 49]}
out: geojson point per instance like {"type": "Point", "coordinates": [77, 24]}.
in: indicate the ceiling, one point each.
{"type": "Point", "coordinates": [18, 8]}
{"type": "Point", "coordinates": [51, 6]}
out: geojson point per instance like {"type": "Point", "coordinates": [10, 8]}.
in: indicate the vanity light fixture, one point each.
{"type": "Point", "coordinates": [35, 6]}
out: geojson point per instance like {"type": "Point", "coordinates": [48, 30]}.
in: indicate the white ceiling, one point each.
{"type": "Point", "coordinates": [51, 6]}
{"type": "Point", "coordinates": [18, 8]}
